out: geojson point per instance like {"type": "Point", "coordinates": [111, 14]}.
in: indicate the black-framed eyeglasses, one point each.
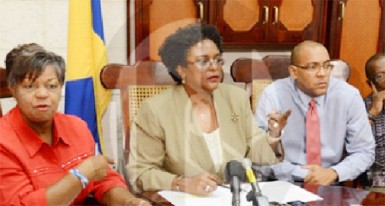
{"type": "Point", "coordinates": [205, 63]}
{"type": "Point", "coordinates": [316, 67]}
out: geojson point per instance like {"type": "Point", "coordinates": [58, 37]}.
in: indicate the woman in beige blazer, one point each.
{"type": "Point", "coordinates": [182, 138]}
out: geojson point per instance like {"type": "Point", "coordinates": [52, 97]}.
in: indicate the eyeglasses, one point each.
{"type": "Point", "coordinates": [316, 67]}
{"type": "Point", "coordinates": [205, 63]}
{"type": "Point", "coordinates": [379, 77]}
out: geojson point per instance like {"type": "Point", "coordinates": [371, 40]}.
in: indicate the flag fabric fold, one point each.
{"type": "Point", "coordinates": [84, 94]}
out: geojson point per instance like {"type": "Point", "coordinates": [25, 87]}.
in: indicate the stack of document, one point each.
{"type": "Point", "coordinates": [276, 191]}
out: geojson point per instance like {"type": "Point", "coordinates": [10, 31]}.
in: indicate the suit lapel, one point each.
{"type": "Point", "coordinates": [196, 149]}
{"type": "Point", "coordinates": [228, 118]}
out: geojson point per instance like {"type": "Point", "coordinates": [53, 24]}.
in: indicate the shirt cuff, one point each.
{"type": "Point", "coordinates": [299, 173]}
{"type": "Point", "coordinates": [289, 172]}
{"type": "Point", "coordinates": [340, 176]}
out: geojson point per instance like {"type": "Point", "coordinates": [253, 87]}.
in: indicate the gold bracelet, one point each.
{"type": "Point", "coordinates": [177, 187]}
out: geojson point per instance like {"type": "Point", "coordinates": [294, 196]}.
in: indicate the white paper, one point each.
{"type": "Point", "coordinates": [284, 192]}
{"type": "Point", "coordinates": [278, 191]}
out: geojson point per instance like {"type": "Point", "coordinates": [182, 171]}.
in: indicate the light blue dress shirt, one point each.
{"type": "Point", "coordinates": [343, 124]}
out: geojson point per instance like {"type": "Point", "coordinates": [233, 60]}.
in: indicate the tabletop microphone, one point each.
{"type": "Point", "coordinates": [234, 173]}
{"type": "Point", "coordinates": [255, 195]}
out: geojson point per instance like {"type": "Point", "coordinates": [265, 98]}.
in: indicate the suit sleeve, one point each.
{"type": "Point", "coordinates": [260, 150]}
{"type": "Point", "coordinates": [147, 153]}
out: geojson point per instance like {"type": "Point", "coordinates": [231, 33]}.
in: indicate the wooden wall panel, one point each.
{"type": "Point", "coordinates": [166, 16]}
{"type": "Point", "coordinates": [359, 38]}
{"type": "Point", "coordinates": [303, 10]}
{"type": "Point", "coordinates": [245, 17]}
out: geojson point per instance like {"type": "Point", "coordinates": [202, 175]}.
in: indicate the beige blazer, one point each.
{"type": "Point", "coordinates": [166, 141]}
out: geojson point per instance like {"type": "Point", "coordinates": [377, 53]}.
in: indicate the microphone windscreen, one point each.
{"type": "Point", "coordinates": [234, 168]}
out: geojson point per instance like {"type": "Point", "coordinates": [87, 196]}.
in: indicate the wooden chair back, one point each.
{"type": "Point", "coordinates": [247, 69]}
{"type": "Point", "coordinates": [277, 65]}
{"type": "Point", "coordinates": [136, 83]}
{"type": "Point", "coordinates": [259, 73]}
{"type": "Point", "coordinates": [4, 90]}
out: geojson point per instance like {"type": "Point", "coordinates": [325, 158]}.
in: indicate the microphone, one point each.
{"type": "Point", "coordinates": [246, 163]}
{"type": "Point", "coordinates": [255, 194]}
{"type": "Point", "coordinates": [234, 173]}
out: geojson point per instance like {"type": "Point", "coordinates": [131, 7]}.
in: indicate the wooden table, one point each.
{"type": "Point", "coordinates": [332, 195]}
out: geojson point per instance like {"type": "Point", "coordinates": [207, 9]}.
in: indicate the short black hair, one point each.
{"type": "Point", "coordinates": [175, 48]}
{"type": "Point", "coordinates": [368, 65]}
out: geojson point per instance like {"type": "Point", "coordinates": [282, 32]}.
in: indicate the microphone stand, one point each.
{"type": "Point", "coordinates": [235, 188]}
{"type": "Point", "coordinates": [255, 195]}
{"type": "Point", "coordinates": [257, 199]}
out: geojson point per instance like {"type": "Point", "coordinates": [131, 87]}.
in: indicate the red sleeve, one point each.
{"type": "Point", "coordinates": [112, 180]}
{"type": "Point", "coordinates": [15, 186]}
